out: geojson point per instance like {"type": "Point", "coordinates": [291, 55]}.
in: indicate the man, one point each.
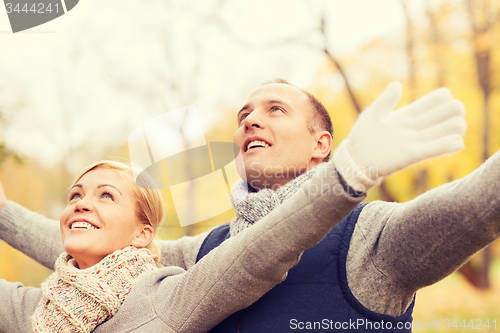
{"type": "Point", "coordinates": [364, 274]}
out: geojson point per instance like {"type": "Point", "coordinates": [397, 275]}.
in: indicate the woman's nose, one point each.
{"type": "Point", "coordinates": [83, 205]}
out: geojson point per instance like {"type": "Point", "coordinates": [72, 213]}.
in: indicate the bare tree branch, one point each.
{"type": "Point", "coordinates": [337, 64]}
{"type": "Point", "coordinates": [410, 44]}
{"type": "Point", "coordinates": [436, 42]}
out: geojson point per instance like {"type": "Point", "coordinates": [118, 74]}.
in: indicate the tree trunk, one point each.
{"type": "Point", "coordinates": [420, 177]}
{"type": "Point", "coordinates": [479, 277]}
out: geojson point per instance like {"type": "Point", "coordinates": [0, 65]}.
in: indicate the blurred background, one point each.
{"type": "Point", "coordinates": [72, 90]}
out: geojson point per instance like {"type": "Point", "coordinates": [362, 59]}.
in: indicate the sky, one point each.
{"type": "Point", "coordinates": [91, 76]}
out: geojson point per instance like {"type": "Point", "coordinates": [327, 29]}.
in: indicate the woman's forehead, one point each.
{"type": "Point", "coordinates": [100, 176]}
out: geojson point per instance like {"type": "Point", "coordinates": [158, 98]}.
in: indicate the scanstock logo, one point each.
{"type": "Point", "coordinates": [27, 14]}
{"type": "Point", "coordinates": [171, 150]}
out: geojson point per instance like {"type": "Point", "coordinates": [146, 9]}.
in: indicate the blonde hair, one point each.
{"type": "Point", "coordinates": [150, 208]}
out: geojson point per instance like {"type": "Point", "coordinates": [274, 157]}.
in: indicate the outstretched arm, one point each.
{"type": "Point", "coordinates": [40, 238]}
{"type": "Point", "coordinates": [244, 267]}
{"type": "Point", "coordinates": [384, 261]}
{"type": "Point", "coordinates": [401, 248]}
{"type": "Point", "coordinates": [18, 305]}
{"type": "Point", "coordinates": [31, 233]}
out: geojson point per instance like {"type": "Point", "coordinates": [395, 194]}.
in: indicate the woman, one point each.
{"type": "Point", "coordinates": [107, 282]}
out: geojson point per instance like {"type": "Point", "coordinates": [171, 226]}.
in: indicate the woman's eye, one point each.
{"type": "Point", "coordinates": [107, 196]}
{"type": "Point", "coordinates": [75, 196]}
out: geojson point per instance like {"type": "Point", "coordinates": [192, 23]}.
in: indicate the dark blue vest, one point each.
{"type": "Point", "coordinates": [315, 295]}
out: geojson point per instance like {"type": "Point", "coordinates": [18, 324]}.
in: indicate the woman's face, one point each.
{"type": "Point", "coordinates": [99, 218]}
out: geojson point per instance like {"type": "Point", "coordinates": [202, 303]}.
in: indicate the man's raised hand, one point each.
{"type": "Point", "coordinates": [383, 141]}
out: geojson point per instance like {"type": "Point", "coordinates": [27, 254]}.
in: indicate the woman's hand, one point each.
{"type": "Point", "coordinates": [3, 198]}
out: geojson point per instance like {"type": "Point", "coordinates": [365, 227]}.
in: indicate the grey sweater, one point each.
{"type": "Point", "coordinates": [396, 248]}
{"type": "Point", "coordinates": [171, 299]}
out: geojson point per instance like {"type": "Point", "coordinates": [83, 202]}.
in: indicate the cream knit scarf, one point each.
{"type": "Point", "coordinates": [250, 205]}
{"type": "Point", "coordinates": [77, 300]}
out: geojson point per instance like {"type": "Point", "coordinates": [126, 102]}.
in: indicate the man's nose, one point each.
{"type": "Point", "coordinates": [254, 120]}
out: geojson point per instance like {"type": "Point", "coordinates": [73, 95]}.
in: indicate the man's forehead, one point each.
{"type": "Point", "coordinates": [278, 93]}
{"type": "Point", "coordinates": [283, 90]}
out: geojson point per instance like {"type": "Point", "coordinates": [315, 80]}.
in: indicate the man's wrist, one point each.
{"type": "Point", "coordinates": [354, 175]}
{"type": "Point", "coordinates": [348, 189]}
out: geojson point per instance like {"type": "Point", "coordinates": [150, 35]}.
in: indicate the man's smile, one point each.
{"type": "Point", "coordinates": [255, 142]}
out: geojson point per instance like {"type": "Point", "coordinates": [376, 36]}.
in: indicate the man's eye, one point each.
{"type": "Point", "coordinates": [276, 109]}
{"type": "Point", "coordinates": [243, 116]}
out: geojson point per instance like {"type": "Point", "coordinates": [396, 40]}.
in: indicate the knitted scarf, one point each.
{"type": "Point", "coordinates": [250, 206]}
{"type": "Point", "coordinates": [77, 300]}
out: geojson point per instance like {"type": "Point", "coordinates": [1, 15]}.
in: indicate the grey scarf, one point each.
{"type": "Point", "coordinates": [250, 206]}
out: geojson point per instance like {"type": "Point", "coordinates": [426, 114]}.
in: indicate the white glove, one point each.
{"type": "Point", "coordinates": [382, 142]}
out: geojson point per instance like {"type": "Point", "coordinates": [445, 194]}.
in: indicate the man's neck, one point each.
{"type": "Point", "coordinates": [269, 183]}
{"type": "Point", "coordinates": [274, 183]}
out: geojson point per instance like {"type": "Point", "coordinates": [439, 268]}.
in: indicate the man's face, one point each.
{"type": "Point", "coordinates": [273, 136]}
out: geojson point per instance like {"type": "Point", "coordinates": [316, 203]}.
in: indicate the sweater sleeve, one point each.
{"type": "Point", "coordinates": [18, 306]}
{"type": "Point", "coordinates": [245, 267]}
{"type": "Point", "coordinates": [40, 238]}
{"type": "Point", "coordinates": [181, 252]}
{"type": "Point", "coordinates": [398, 248]}
{"type": "Point", "coordinates": [31, 233]}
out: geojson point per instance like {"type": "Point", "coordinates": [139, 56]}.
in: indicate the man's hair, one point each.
{"type": "Point", "coordinates": [320, 119]}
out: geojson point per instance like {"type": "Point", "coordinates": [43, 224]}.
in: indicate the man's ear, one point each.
{"type": "Point", "coordinates": [323, 145]}
{"type": "Point", "coordinates": [144, 236]}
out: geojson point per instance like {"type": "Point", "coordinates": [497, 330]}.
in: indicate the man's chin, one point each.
{"type": "Point", "coordinates": [272, 183]}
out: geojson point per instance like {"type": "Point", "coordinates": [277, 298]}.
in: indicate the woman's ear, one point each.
{"type": "Point", "coordinates": [144, 236]}
{"type": "Point", "coordinates": [323, 145]}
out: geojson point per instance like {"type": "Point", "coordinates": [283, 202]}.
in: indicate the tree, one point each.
{"type": "Point", "coordinates": [482, 16]}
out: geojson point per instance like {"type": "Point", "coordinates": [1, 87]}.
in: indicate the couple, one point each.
{"type": "Point", "coordinates": [363, 274]}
